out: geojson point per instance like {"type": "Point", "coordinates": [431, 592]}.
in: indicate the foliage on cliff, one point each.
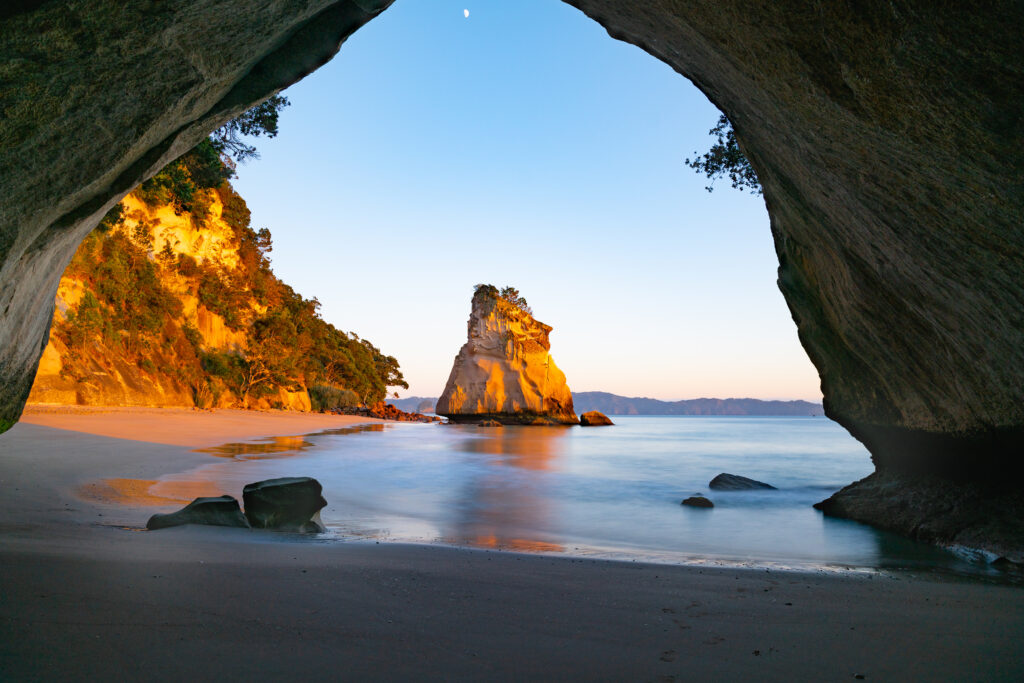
{"type": "Point", "coordinates": [725, 158]}
{"type": "Point", "coordinates": [141, 298]}
{"type": "Point", "coordinates": [508, 294]}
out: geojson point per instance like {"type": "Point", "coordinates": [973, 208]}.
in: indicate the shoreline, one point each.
{"type": "Point", "coordinates": [179, 426]}
{"type": "Point", "coordinates": [82, 597]}
{"type": "Point", "coordinates": [265, 433]}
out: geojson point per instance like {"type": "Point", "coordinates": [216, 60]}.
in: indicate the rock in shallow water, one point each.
{"type": "Point", "coordinates": [504, 371]}
{"type": "Point", "coordinates": [698, 502]}
{"type": "Point", "coordinates": [594, 418]}
{"type": "Point", "coordinates": [734, 482]}
{"type": "Point", "coordinates": [219, 511]}
{"type": "Point", "coordinates": [285, 504]}
{"type": "Point", "coordinates": [984, 518]}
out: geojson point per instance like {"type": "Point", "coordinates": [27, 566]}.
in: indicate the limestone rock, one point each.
{"type": "Point", "coordinates": [734, 482]}
{"type": "Point", "coordinates": [504, 372]}
{"type": "Point", "coordinates": [594, 418]}
{"type": "Point", "coordinates": [697, 502]}
{"type": "Point", "coordinates": [285, 504]}
{"type": "Point", "coordinates": [987, 517]}
{"type": "Point", "coordinates": [219, 511]}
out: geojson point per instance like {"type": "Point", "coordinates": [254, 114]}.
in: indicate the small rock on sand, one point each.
{"type": "Point", "coordinates": [285, 504]}
{"type": "Point", "coordinates": [219, 511]}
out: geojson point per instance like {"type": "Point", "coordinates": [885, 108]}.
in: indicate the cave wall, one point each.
{"type": "Point", "coordinates": [887, 135]}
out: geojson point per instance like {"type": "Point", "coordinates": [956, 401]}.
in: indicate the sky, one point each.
{"type": "Point", "coordinates": [523, 146]}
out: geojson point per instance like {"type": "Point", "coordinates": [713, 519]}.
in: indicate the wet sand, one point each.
{"type": "Point", "coordinates": [81, 597]}
{"type": "Point", "coordinates": [185, 426]}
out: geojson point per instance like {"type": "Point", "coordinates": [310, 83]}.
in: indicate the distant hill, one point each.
{"type": "Point", "coordinates": [610, 404]}
{"type": "Point", "coordinates": [414, 404]}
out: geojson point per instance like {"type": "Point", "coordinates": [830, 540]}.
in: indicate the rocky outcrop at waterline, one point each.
{"type": "Point", "coordinates": [988, 517]}
{"type": "Point", "coordinates": [505, 371]}
{"type": "Point", "coordinates": [887, 138]}
{"type": "Point", "coordinates": [593, 418]}
{"type": "Point", "coordinates": [734, 482]}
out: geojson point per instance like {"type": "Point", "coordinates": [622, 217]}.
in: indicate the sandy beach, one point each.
{"type": "Point", "coordinates": [84, 595]}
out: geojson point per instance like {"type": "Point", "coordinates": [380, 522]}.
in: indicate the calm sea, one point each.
{"type": "Point", "coordinates": [592, 492]}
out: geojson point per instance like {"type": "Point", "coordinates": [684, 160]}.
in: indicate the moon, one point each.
{"type": "Point", "coordinates": [466, 13]}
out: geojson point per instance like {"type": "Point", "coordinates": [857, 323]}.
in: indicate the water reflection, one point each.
{"type": "Point", "coordinates": [553, 489]}
{"type": "Point", "coordinates": [271, 447]}
{"type": "Point", "coordinates": [279, 446]}
{"type": "Point", "coordinates": [507, 502]}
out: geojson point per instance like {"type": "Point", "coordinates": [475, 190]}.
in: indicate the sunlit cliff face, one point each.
{"type": "Point", "coordinates": [505, 370]}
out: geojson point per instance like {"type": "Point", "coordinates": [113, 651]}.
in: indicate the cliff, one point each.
{"type": "Point", "coordinates": [504, 371]}
{"type": "Point", "coordinates": [166, 307]}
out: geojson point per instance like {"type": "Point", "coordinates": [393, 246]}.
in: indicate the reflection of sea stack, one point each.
{"type": "Point", "coordinates": [504, 371]}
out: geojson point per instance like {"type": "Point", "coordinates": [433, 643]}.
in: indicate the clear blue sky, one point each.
{"type": "Point", "coordinates": [522, 145]}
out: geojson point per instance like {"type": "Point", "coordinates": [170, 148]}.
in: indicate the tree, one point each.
{"type": "Point", "coordinates": [508, 294]}
{"type": "Point", "coordinates": [211, 162]}
{"type": "Point", "coordinates": [270, 358]}
{"type": "Point", "coordinates": [259, 120]}
{"type": "Point", "coordinates": [726, 158]}
{"type": "Point", "coordinates": [511, 295]}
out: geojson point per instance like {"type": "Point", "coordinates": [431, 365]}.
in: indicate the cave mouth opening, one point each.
{"type": "Point", "coordinates": [496, 137]}
{"type": "Point", "coordinates": [847, 113]}
{"type": "Point", "coordinates": [492, 133]}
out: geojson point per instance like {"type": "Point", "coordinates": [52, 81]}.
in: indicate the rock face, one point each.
{"type": "Point", "coordinates": [594, 418]}
{"type": "Point", "coordinates": [970, 515]}
{"type": "Point", "coordinates": [887, 136]}
{"type": "Point", "coordinates": [285, 504]}
{"type": "Point", "coordinates": [734, 482]}
{"type": "Point", "coordinates": [504, 371]}
{"type": "Point", "coordinates": [219, 511]}
{"type": "Point", "coordinates": [106, 374]}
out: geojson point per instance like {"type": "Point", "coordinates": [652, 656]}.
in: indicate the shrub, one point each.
{"type": "Point", "coordinates": [324, 398]}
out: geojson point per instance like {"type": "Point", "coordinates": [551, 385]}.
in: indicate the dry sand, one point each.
{"type": "Point", "coordinates": [83, 599]}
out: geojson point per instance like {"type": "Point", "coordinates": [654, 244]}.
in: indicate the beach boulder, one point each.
{"type": "Point", "coordinates": [697, 502]}
{"type": "Point", "coordinates": [734, 482]}
{"type": "Point", "coordinates": [219, 511]}
{"type": "Point", "coordinates": [488, 423]}
{"type": "Point", "coordinates": [285, 504]}
{"type": "Point", "coordinates": [594, 418]}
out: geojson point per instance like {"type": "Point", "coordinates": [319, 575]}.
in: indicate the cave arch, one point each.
{"type": "Point", "coordinates": [887, 136]}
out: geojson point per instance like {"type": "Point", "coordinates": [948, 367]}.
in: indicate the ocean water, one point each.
{"type": "Point", "coordinates": [592, 492]}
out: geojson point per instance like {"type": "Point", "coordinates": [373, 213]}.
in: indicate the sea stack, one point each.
{"type": "Point", "coordinates": [504, 371]}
